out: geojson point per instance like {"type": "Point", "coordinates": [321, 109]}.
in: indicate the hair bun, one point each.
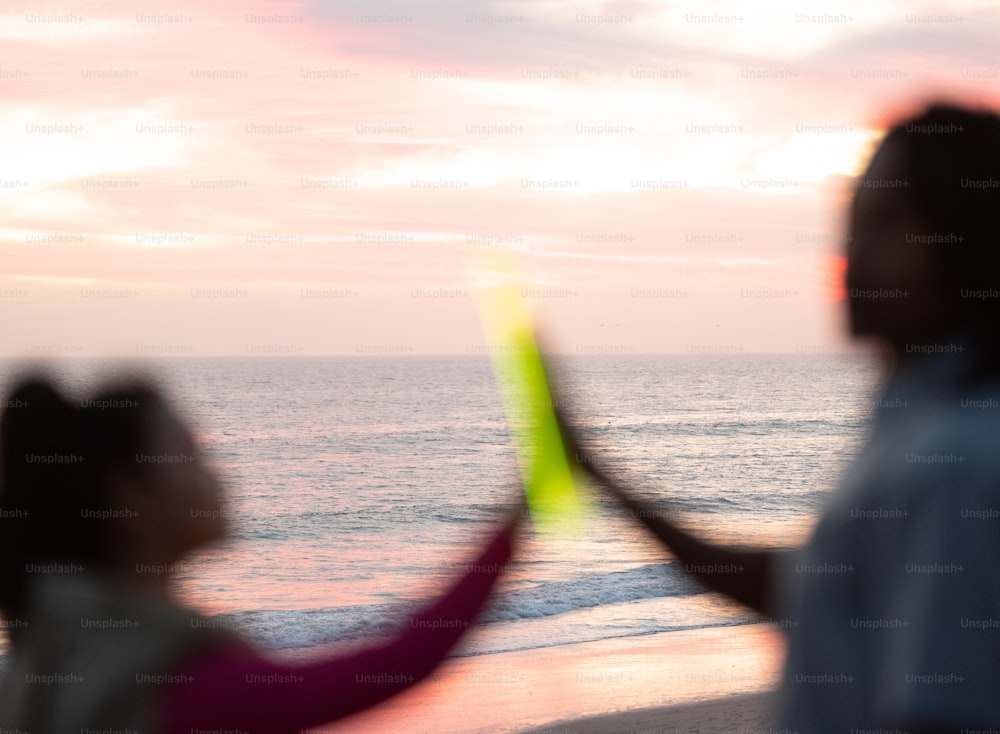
{"type": "Point", "coordinates": [38, 421]}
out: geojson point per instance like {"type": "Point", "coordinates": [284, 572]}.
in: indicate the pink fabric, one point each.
{"type": "Point", "coordinates": [236, 688]}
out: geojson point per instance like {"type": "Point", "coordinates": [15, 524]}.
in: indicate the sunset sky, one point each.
{"type": "Point", "coordinates": [330, 177]}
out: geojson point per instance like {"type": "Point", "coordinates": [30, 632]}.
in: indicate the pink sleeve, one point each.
{"type": "Point", "coordinates": [236, 688]}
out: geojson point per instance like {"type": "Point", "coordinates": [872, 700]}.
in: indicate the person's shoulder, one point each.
{"type": "Point", "coordinates": [950, 447]}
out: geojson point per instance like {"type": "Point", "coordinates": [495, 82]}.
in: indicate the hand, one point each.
{"type": "Point", "coordinates": [517, 513]}
{"type": "Point", "coordinates": [580, 459]}
{"type": "Point", "coordinates": [583, 460]}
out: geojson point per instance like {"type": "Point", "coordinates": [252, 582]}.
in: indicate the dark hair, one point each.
{"type": "Point", "coordinates": [950, 163]}
{"type": "Point", "coordinates": [55, 460]}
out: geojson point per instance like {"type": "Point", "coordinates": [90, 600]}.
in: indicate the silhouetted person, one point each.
{"type": "Point", "coordinates": [98, 504]}
{"type": "Point", "coordinates": [892, 610]}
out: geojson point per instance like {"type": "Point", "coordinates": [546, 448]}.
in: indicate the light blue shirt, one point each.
{"type": "Point", "coordinates": [893, 607]}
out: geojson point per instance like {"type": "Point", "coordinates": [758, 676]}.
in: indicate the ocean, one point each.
{"type": "Point", "coordinates": [360, 486]}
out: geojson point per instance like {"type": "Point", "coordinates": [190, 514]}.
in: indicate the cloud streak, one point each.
{"type": "Point", "coordinates": [282, 155]}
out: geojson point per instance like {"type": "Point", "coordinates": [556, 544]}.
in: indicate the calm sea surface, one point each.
{"type": "Point", "coordinates": [359, 486]}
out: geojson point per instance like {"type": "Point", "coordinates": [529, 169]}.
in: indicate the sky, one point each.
{"type": "Point", "coordinates": [298, 178]}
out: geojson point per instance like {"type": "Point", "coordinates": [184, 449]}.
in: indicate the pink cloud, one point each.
{"type": "Point", "coordinates": [282, 148]}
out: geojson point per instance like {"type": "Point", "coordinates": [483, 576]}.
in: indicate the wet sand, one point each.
{"type": "Point", "coordinates": [699, 680]}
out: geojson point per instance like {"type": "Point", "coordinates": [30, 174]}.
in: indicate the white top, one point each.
{"type": "Point", "coordinates": [95, 657]}
{"type": "Point", "coordinates": [893, 608]}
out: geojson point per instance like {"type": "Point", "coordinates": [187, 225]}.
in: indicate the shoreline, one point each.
{"type": "Point", "coordinates": [746, 713]}
{"type": "Point", "coordinates": [711, 679]}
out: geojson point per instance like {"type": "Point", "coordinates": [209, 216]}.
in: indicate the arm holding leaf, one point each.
{"type": "Point", "coordinates": [743, 574]}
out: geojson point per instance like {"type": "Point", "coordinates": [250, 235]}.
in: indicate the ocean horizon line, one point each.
{"type": "Point", "coordinates": [176, 355]}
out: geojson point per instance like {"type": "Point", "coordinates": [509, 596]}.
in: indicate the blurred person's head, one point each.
{"type": "Point", "coordinates": [923, 254]}
{"type": "Point", "coordinates": [112, 484]}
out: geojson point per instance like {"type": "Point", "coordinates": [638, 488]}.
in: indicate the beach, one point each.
{"type": "Point", "coordinates": [745, 714]}
{"type": "Point", "coordinates": [701, 680]}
